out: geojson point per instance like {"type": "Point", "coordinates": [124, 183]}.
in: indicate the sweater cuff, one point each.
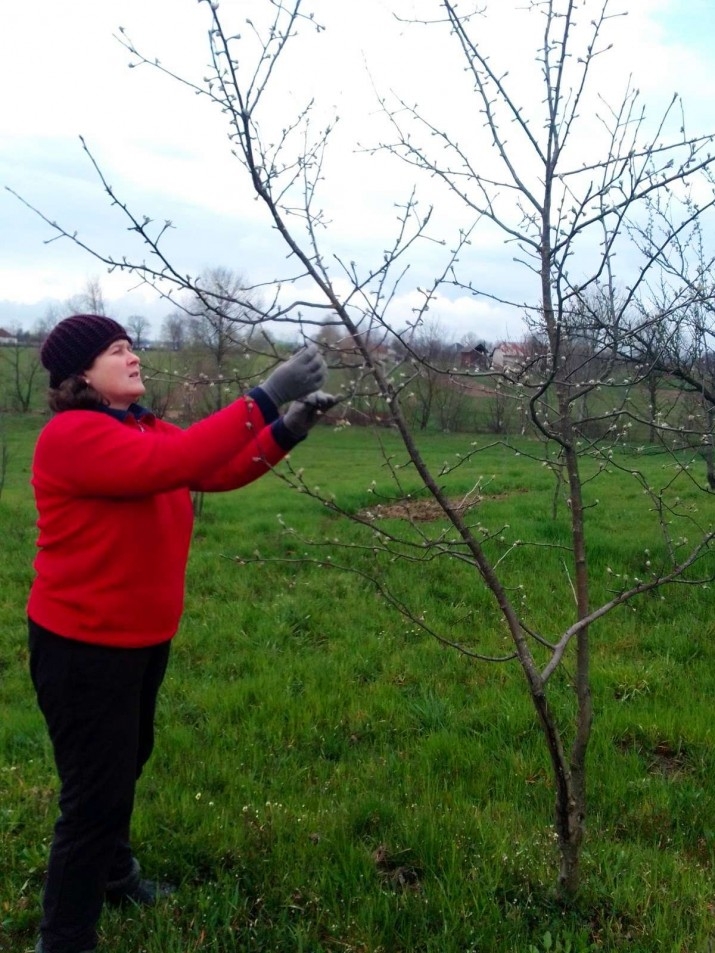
{"type": "Point", "coordinates": [265, 404]}
{"type": "Point", "coordinates": [283, 437]}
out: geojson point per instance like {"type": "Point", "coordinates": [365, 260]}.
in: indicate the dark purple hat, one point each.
{"type": "Point", "coordinates": [74, 343]}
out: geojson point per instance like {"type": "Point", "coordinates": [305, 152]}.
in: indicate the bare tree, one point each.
{"type": "Point", "coordinates": [46, 323]}
{"type": "Point", "coordinates": [663, 339]}
{"type": "Point", "coordinates": [221, 324]}
{"type": "Point", "coordinates": [173, 330]}
{"type": "Point", "coordinates": [500, 407]}
{"type": "Point", "coordinates": [23, 366]}
{"type": "Point", "coordinates": [139, 326]}
{"type": "Point", "coordinates": [90, 300]}
{"type": "Point", "coordinates": [568, 213]}
{"type": "Point", "coordinates": [433, 361]}
{"type": "Point", "coordinates": [557, 206]}
{"type": "Point", "coordinates": [549, 208]}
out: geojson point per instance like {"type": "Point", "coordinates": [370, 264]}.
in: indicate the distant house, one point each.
{"type": "Point", "coordinates": [7, 339]}
{"type": "Point", "coordinates": [508, 355]}
{"type": "Point", "coordinates": [474, 358]}
{"type": "Point", "coordinates": [376, 345]}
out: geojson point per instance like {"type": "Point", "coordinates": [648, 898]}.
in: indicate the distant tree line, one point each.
{"type": "Point", "coordinates": [214, 345]}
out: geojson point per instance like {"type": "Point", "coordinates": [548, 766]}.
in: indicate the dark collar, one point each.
{"type": "Point", "coordinates": [134, 410]}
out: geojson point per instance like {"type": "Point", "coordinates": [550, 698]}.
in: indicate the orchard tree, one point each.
{"type": "Point", "coordinates": [566, 179]}
{"type": "Point", "coordinates": [546, 196]}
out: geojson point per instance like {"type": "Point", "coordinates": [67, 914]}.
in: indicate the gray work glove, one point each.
{"type": "Point", "coordinates": [298, 376]}
{"type": "Point", "coordinates": [302, 414]}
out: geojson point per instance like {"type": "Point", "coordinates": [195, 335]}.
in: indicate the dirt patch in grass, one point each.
{"type": "Point", "coordinates": [395, 870]}
{"type": "Point", "coordinates": [662, 756]}
{"type": "Point", "coordinates": [427, 509]}
{"type": "Point", "coordinates": [667, 759]}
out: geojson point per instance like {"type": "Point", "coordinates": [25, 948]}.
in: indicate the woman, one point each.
{"type": "Point", "coordinates": [112, 487]}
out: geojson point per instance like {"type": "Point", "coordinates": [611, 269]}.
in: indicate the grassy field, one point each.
{"type": "Point", "coordinates": [329, 778]}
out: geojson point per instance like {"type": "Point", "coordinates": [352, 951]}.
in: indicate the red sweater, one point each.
{"type": "Point", "coordinates": [115, 514]}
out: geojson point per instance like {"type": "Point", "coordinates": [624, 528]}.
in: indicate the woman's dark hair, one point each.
{"type": "Point", "coordinates": [74, 393]}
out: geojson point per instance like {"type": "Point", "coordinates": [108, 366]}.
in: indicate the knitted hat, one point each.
{"type": "Point", "coordinates": [73, 344]}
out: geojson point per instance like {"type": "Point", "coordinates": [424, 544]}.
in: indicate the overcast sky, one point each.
{"type": "Point", "coordinates": [165, 150]}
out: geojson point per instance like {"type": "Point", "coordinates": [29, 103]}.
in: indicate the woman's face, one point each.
{"type": "Point", "coordinates": [116, 375]}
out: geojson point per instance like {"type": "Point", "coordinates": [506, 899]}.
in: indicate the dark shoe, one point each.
{"type": "Point", "coordinates": [145, 893]}
{"type": "Point", "coordinates": [132, 889]}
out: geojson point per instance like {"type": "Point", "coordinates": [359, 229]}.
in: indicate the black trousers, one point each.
{"type": "Point", "coordinates": [99, 705]}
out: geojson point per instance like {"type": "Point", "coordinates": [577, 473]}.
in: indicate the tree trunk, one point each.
{"type": "Point", "coordinates": [570, 842]}
{"type": "Point", "coordinates": [708, 451]}
{"type": "Point", "coordinates": [570, 802]}
{"type": "Point", "coordinates": [653, 408]}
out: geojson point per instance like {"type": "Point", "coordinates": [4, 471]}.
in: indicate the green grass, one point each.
{"type": "Point", "coordinates": [327, 777]}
